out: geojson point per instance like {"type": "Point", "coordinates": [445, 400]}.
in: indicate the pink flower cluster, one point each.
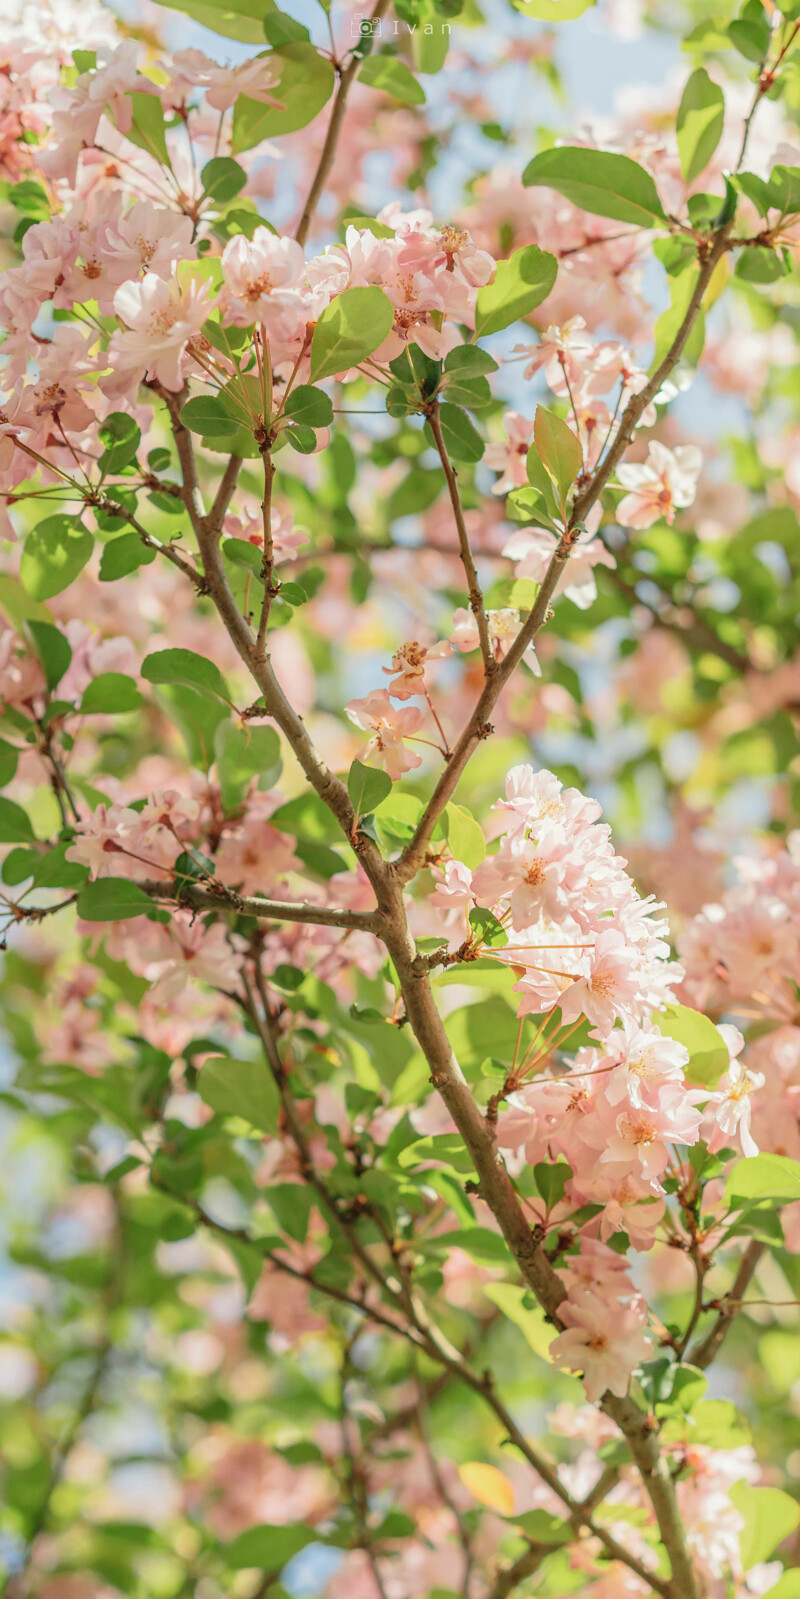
{"type": "Point", "coordinates": [582, 937]}
{"type": "Point", "coordinates": [125, 243]}
{"type": "Point", "coordinates": [604, 1321]}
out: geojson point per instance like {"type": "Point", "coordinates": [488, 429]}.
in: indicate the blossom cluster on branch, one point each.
{"type": "Point", "coordinates": [388, 1157]}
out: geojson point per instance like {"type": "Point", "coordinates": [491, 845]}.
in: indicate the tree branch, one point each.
{"type": "Point", "coordinates": [220, 897]}
{"type": "Point", "coordinates": [346, 77]}
{"type": "Point", "coordinates": [715, 247]}
{"type": "Point", "coordinates": [709, 1346]}
{"type": "Point", "coordinates": [467, 561]}
{"type": "Point", "coordinates": [478, 726]}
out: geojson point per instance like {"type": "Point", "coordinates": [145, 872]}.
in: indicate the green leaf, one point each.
{"type": "Point", "coordinates": [243, 402]}
{"type": "Point", "coordinates": [15, 825]}
{"type": "Point", "coordinates": [147, 129]}
{"type": "Point", "coordinates": [183, 666]}
{"type": "Point", "coordinates": [787, 1586]}
{"type": "Point", "coordinates": [543, 1527]}
{"type": "Point", "coordinates": [53, 649]}
{"type": "Point", "coordinates": [708, 1052]}
{"type": "Point", "coordinates": [243, 1088]}
{"type": "Point", "coordinates": [53, 870]}
{"type": "Point", "coordinates": [367, 787]}
{"type": "Point", "coordinates": [469, 361]}
{"type": "Point", "coordinates": [307, 816]}
{"type": "Point", "coordinates": [17, 605]}
{"type": "Point", "coordinates": [509, 1298]}
{"type": "Point", "coordinates": [55, 552]}
{"type": "Point", "coordinates": [474, 393]}
{"type": "Point", "coordinates": [558, 448]}
{"type": "Point", "coordinates": [701, 115]}
{"type": "Point", "coordinates": [750, 37]}
{"type": "Point", "coordinates": [464, 835]}
{"type": "Point", "coordinates": [761, 264]}
{"type": "Point", "coordinates": [551, 1180]}
{"type": "Point", "coordinates": [124, 555]}
{"type": "Point", "coordinates": [608, 185]}
{"type": "Point", "coordinates": [349, 329]}
{"type": "Point", "coordinates": [519, 285]}
{"type": "Point", "coordinates": [222, 178]}
{"type": "Point", "coordinates": [268, 1548]}
{"type": "Point", "coordinates": [241, 754]}
{"type": "Point", "coordinates": [110, 692]}
{"type": "Point", "coordinates": [310, 406]}
{"type": "Point", "coordinates": [9, 760]}
{"type": "Point", "coordinates": [354, 219]}
{"type": "Point", "coordinates": [448, 1148]}
{"type": "Point", "coordinates": [280, 28]}
{"type": "Point", "coordinates": [301, 439]}
{"type": "Point", "coordinates": [198, 715]}
{"type": "Point", "coordinates": [784, 186]}
{"type": "Point", "coordinates": [207, 414]}
{"type": "Point", "coordinates": [113, 899]}
{"type": "Point", "coordinates": [480, 1243]}
{"type": "Point", "coordinates": [486, 1028]}
{"type": "Point", "coordinates": [429, 47]}
{"type": "Point", "coordinates": [763, 1177]}
{"type": "Point", "coordinates": [462, 440]}
{"type": "Point", "coordinates": [234, 19]}
{"type": "Point", "coordinates": [306, 84]}
{"type": "Point", "coordinates": [121, 436]}
{"type": "Point", "coordinates": [552, 10]}
{"type": "Point", "coordinates": [391, 77]}
{"type": "Point", "coordinates": [681, 289]}
{"type": "Point", "coordinates": [769, 1515]}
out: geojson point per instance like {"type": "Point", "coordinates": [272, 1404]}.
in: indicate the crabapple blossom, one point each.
{"type": "Point", "coordinates": [665, 483]}
{"type": "Point", "coordinates": [604, 1340]}
{"type": "Point", "coordinates": [510, 457]}
{"type": "Point", "coordinates": [531, 549]}
{"type": "Point", "coordinates": [409, 663]}
{"type": "Point", "coordinates": [388, 728]}
{"type": "Point", "coordinates": [263, 282]}
{"type": "Point", "coordinates": [255, 78]}
{"type": "Point", "coordinates": [503, 627]}
{"type": "Point", "coordinates": [161, 316]}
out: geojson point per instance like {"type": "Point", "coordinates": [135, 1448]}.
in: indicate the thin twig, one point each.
{"type": "Point", "coordinates": [347, 75]}
{"type": "Point", "coordinates": [220, 897]}
{"type": "Point", "coordinates": [467, 560]}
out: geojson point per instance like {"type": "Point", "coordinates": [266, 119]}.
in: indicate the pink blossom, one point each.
{"type": "Point", "coordinates": [532, 550]}
{"type": "Point", "coordinates": [646, 1058]}
{"type": "Point", "coordinates": [531, 871]}
{"type": "Point", "coordinates": [664, 484]}
{"type": "Point", "coordinates": [388, 728]}
{"type": "Point", "coordinates": [162, 315]}
{"type": "Point", "coordinates": [729, 1107]}
{"type": "Point", "coordinates": [563, 352]}
{"type": "Point", "coordinates": [635, 1140]}
{"type": "Point", "coordinates": [255, 78]}
{"type": "Point", "coordinates": [453, 891]}
{"type": "Point", "coordinates": [192, 951]}
{"type": "Point", "coordinates": [408, 667]}
{"type": "Point", "coordinates": [510, 458]}
{"type": "Point", "coordinates": [286, 538]}
{"type": "Point", "coordinates": [611, 983]}
{"type": "Point", "coordinates": [147, 238]}
{"type": "Point", "coordinates": [604, 1340]}
{"type": "Point", "coordinates": [263, 282]}
{"type": "Point", "coordinates": [503, 627]}
{"type": "Point", "coordinates": [103, 841]}
{"type": "Point", "coordinates": [257, 857]}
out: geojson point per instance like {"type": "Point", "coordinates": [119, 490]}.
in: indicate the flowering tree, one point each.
{"type": "Point", "coordinates": [385, 1170]}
